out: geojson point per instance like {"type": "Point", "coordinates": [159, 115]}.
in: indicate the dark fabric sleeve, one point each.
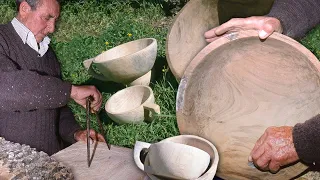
{"type": "Point", "coordinates": [67, 125]}
{"type": "Point", "coordinates": [24, 90]}
{"type": "Point", "coordinates": [297, 16]}
{"type": "Point", "coordinates": [306, 138]}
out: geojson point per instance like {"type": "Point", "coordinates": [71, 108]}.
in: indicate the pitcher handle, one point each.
{"type": "Point", "coordinates": [88, 65]}
{"type": "Point", "coordinates": [136, 153]}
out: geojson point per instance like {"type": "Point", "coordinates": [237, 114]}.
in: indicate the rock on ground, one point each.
{"type": "Point", "coordinates": [23, 162]}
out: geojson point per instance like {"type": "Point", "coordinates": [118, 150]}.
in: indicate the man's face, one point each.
{"type": "Point", "coordinates": [41, 21]}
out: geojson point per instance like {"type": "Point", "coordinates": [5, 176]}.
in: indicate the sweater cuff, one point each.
{"type": "Point", "coordinates": [283, 16]}
{"type": "Point", "coordinates": [68, 87]}
{"type": "Point", "coordinates": [306, 140]}
{"type": "Point", "coordinates": [297, 17]}
{"type": "Point", "coordinates": [70, 137]}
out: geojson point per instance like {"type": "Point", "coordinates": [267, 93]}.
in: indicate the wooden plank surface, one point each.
{"type": "Point", "coordinates": [114, 164]}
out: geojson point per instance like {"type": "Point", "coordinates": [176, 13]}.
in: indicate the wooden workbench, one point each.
{"type": "Point", "coordinates": [114, 164]}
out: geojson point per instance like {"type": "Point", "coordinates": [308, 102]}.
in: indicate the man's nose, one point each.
{"type": "Point", "coordinates": [51, 27]}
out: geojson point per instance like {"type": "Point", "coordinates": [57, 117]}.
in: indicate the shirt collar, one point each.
{"type": "Point", "coordinates": [21, 29]}
{"type": "Point", "coordinates": [28, 37]}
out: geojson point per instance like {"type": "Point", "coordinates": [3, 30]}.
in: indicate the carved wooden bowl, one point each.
{"type": "Point", "coordinates": [238, 86]}
{"type": "Point", "coordinates": [186, 35]}
{"type": "Point", "coordinates": [189, 140]}
{"type": "Point", "coordinates": [129, 63]}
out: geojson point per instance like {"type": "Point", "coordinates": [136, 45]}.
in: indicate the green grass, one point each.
{"type": "Point", "coordinates": [312, 41]}
{"type": "Point", "coordinates": [82, 33]}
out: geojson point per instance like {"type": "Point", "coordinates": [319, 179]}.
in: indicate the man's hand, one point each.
{"type": "Point", "coordinates": [81, 135]}
{"type": "Point", "coordinates": [265, 25]}
{"type": "Point", "coordinates": [80, 93]}
{"type": "Point", "coordinates": [274, 149]}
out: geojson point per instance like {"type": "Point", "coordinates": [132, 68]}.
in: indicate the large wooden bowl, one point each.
{"type": "Point", "coordinates": [186, 35]}
{"type": "Point", "coordinates": [238, 86]}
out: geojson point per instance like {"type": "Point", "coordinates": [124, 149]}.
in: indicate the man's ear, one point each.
{"type": "Point", "coordinates": [24, 9]}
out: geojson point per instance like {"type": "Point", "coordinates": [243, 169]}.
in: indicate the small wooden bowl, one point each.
{"type": "Point", "coordinates": [132, 105]}
{"type": "Point", "coordinates": [126, 63]}
{"type": "Point", "coordinates": [189, 140]}
{"type": "Point", "coordinates": [238, 86]}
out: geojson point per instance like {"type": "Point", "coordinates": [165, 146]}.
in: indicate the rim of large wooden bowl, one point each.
{"type": "Point", "coordinates": [201, 15]}
{"type": "Point", "coordinates": [222, 41]}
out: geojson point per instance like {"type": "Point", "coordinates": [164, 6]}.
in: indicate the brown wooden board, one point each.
{"type": "Point", "coordinates": [114, 164]}
{"type": "Point", "coordinates": [238, 86]}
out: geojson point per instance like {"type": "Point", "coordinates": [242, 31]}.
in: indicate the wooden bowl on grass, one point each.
{"type": "Point", "coordinates": [238, 86]}
{"type": "Point", "coordinates": [132, 105]}
{"type": "Point", "coordinates": [129, 63]}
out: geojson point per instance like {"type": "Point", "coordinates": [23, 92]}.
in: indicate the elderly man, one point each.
{"type": "Point", "coordinates": [280, 146]}
{"type": "Point", "coordinates": [33, 98]}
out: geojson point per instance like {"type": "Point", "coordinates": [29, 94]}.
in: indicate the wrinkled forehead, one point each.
{"type": "Point", "coordinates": [52, 7]}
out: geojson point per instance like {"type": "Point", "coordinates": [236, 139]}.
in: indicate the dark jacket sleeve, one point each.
{"type": "Point", "coordinates": [24, 90]}
{"type": "Point", "coordinates": [67, 125]}
{"type": "Point", "coordinates": [297, 16]}
{"type": "Point", "coordinates": [306, 138]}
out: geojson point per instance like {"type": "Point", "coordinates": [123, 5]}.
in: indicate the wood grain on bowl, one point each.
{"type": "Point", "coordinates": [238, 86]}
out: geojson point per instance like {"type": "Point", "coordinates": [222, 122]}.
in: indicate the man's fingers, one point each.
{"type": "Point", "coordinates": [265, 25]}
{"type": "Point", "coordinates": [101, 138]}
{"type": "Point", "coordinates": [274, 166]}
{"type": "Point", "coordinates": [96, 136]}
{"type": "Point", "coordinates": [257, 151]}
{"type": "Point", "coordinates": [97, 101]}
{"type": "Point", "coordinates": [212, 39]}
{"type": "Point", "coordinates": [83, 137]}
{"type": "Point", "coordinates": [267, 30]}
{"type": "Point", "coordinates": [273, 25]}
{"type": "Point", "coordinates": [236, 24]}
{"type": "Point", "coordinates": [263, 34]}
{"type": "Point", "coordinates": [210, 34]}
{"type": "Point", "coordinates": [255, 155]}
{"type": "Point", "coordinates": [263, 161]}
{"type": "Point", "coordinates": [269, 26]}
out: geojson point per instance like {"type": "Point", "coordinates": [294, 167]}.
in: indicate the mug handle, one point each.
{"type": "Point", "coordinates": [88, 65]}
{"type": "Point", "coordinates": [136, 153]}
{"type": "Point", "coordinates": [154, 108]}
